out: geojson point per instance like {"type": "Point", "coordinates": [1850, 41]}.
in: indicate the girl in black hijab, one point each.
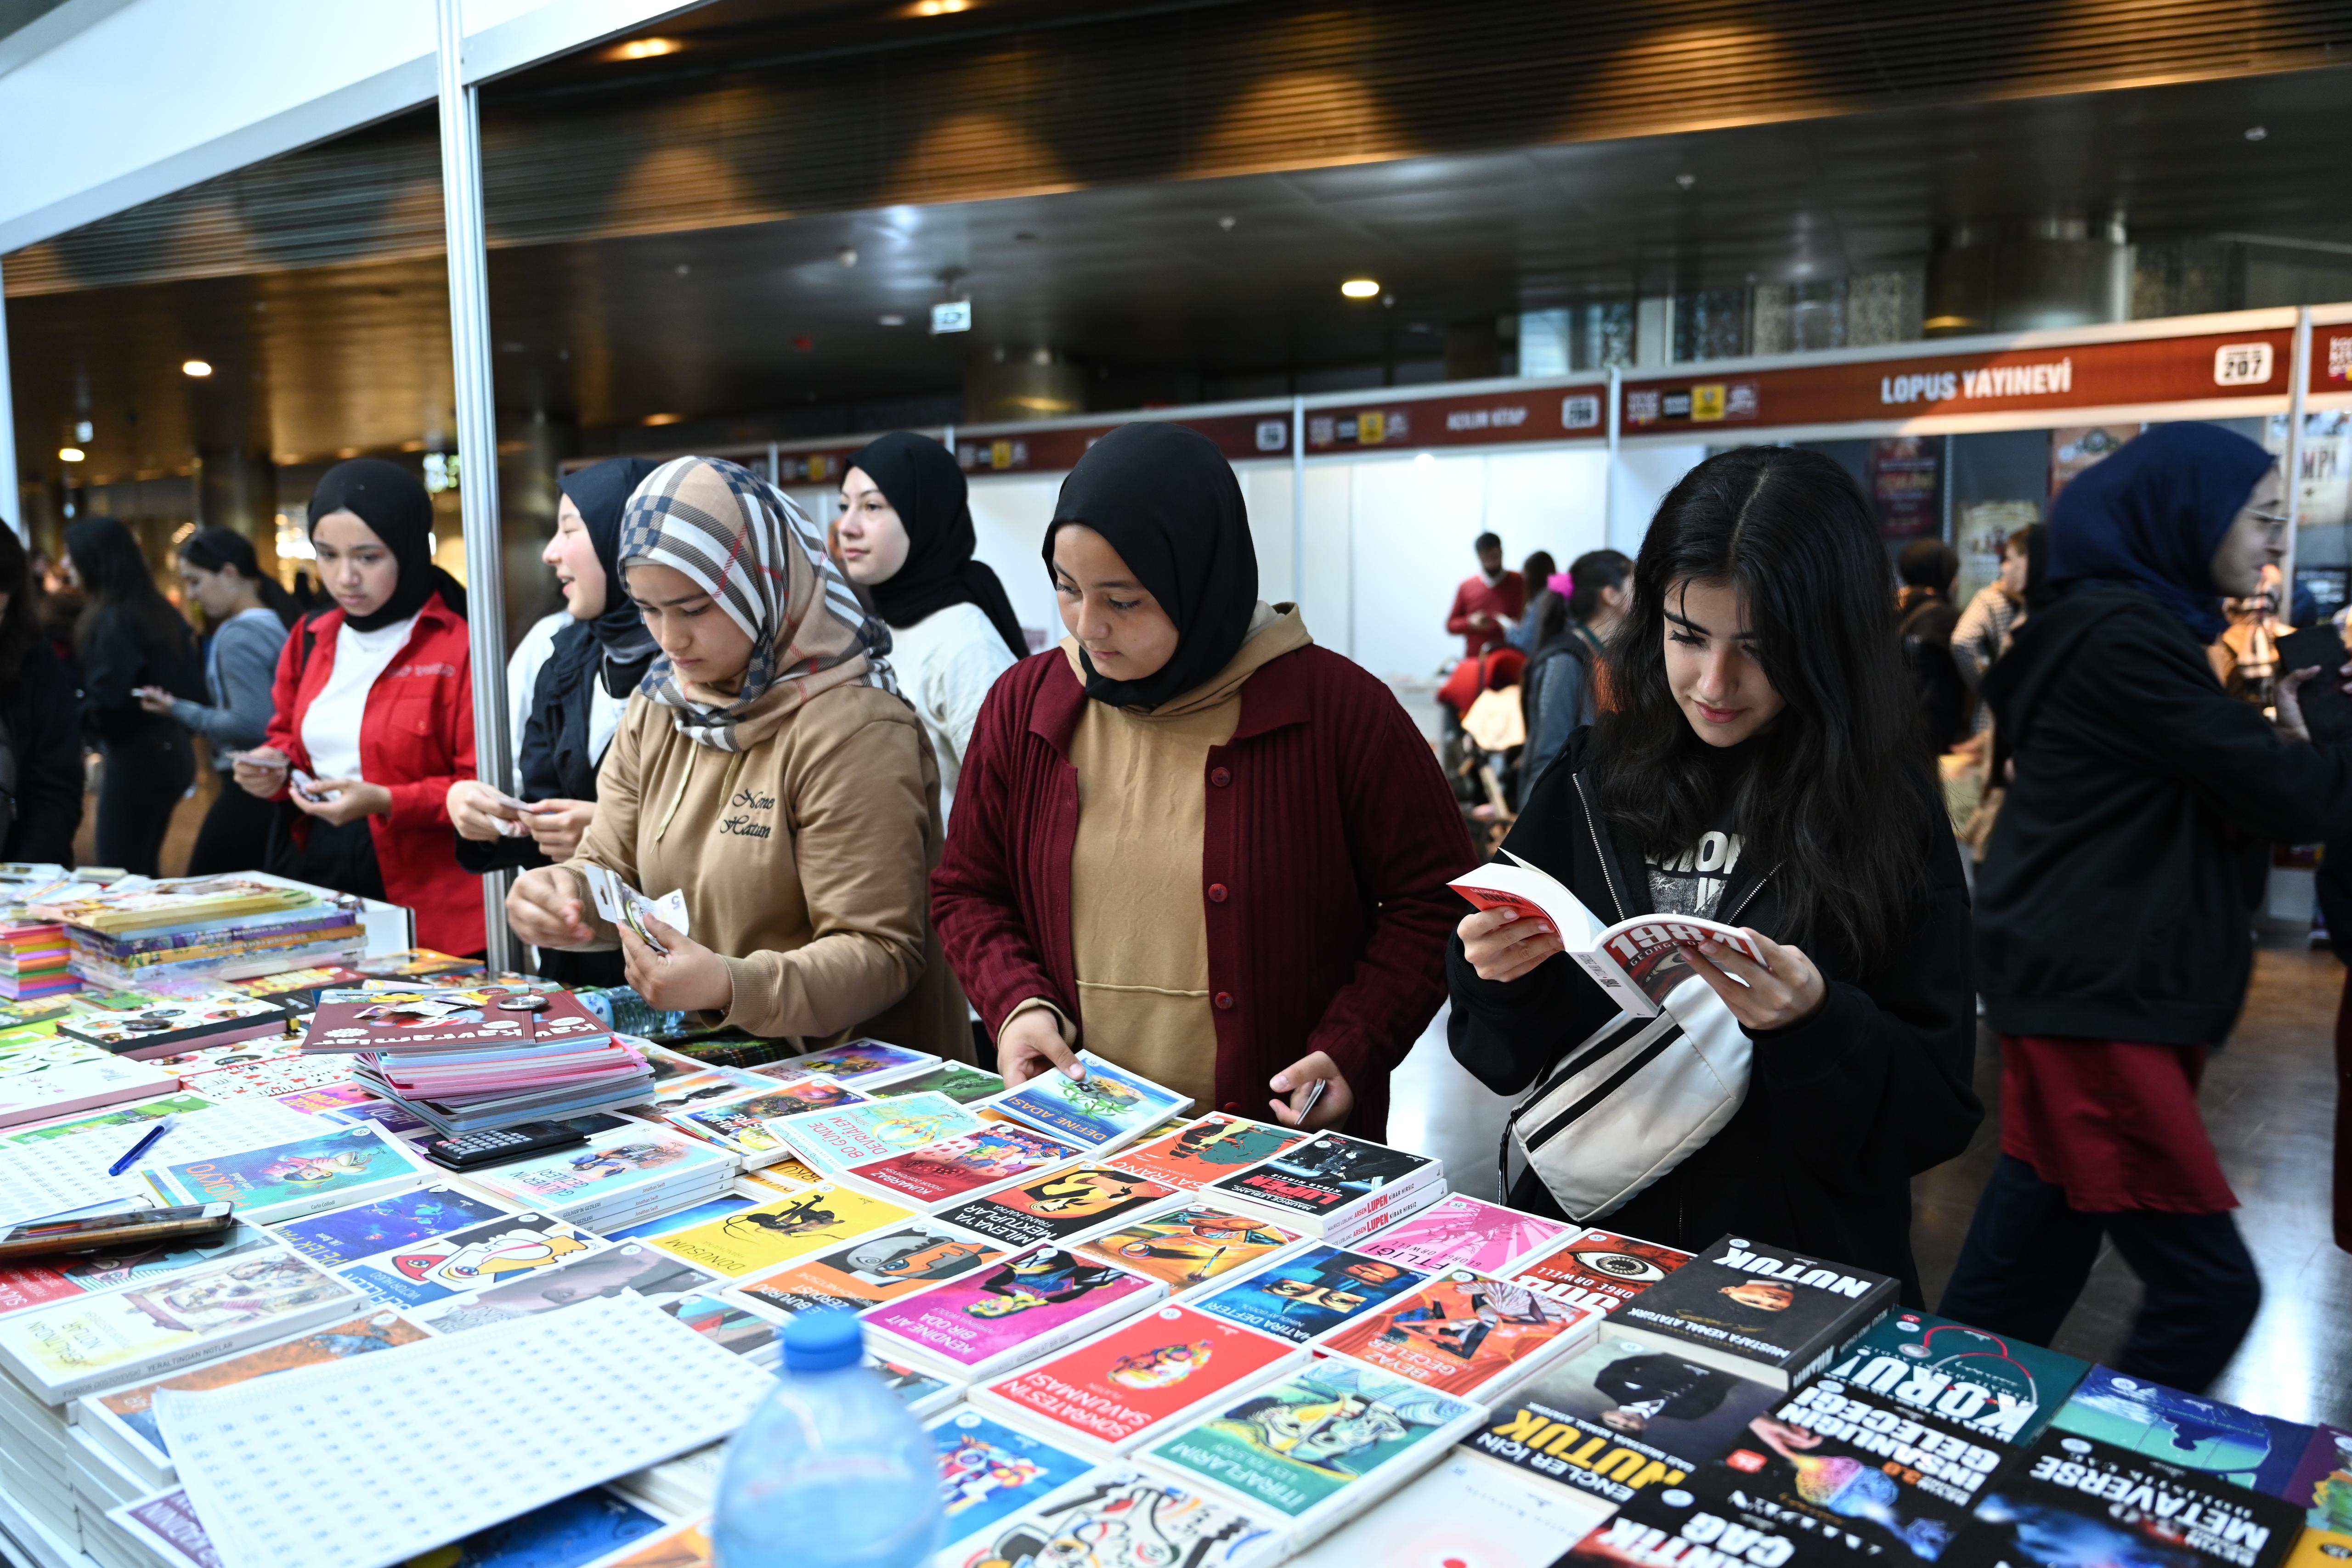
{"type": "Point", "coordinates": [129, 638]}
{"type": "Point", "coordinates": [905, 536]}
{"type": "Point", "coordinates": [575, 703]}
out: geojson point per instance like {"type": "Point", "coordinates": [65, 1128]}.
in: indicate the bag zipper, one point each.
{"type": "Point", "coordinates": [1616, 899]}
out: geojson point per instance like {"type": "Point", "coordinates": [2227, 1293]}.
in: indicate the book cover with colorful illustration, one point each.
{"type": "Point", "coordinates": [858, 1061]}
{"type": "Point", "coordinates": [1988, 1384]}
{"type": "Point", "coordinates": [678, 1546]}
{"type": "Point", "coordinates": [1192, 1245]}
{"type": "Point", "coordinates": [1325, 1175]}
{"type": "Point", "coordinates": [135, 1113]}
{"type": "Point", "coordinates": [730, 1325]}
{"type": "Point", "coordinates": [2070, 1499]}
{"type": "Point", "coordinates": [2322, 1483]}
{"type": "Point", "coordinates": [1301, 1298]}
{"type": "Point", "coordinates": [1013, 1308]}
{"type": "Point", "coordinates": [1326, 1429]}
{"type": "Point", "coordinates": [1106, 1108]}
{"type": "Point", "coordinates": [1156, 1369]}
{"type": "Point", "coordinates": [2186, 1429]}
{"type": "Point", "coordinates": [832, 1141]}
{"type": "Point", "coordinates": [304, 1171]}
{"type": "Point", "coordinates": [687, 1219]}
{"type": "Point", "coordinates": [989, 1472]}
{"type": "Point", "coordinates": [1059, 1205]}
{"type": "Point", "coordinates": [588, 1527]}
{"type": "Point", "coordinates": [1463, 1232]}
{"type": "Point", "coordinates": [1216, 1145]}
{"type": "Point", "coordinates": [743, 1119]}
{"type": "Point", "coordinates": [614, 1162]}
{"type": "Point", "coordinates": [1463, 1331]}
{"type": "Point", "coordinates": [439, 1267]}
{"type": "Point", "coordinates": [1122, 1517]}
{"type": "Point", "coordinates": [1673, 1524]}
{"type": "Point", "coordinates": [769, 1235]}
{"type": "Point", "coordinates": [361, 1230]}
{"type": "Point", "coordinates": [959, 1080]}
{"type": "Point", "coordinates": [1599, 1269]}
{"type": "Point", "coordinates": [895, 1261]}
{"type": "Point", "coordinates": [958, 1166]}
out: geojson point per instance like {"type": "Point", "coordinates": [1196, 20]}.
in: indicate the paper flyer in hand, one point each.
{"type": "Point", "coordinates": [1297, 1299]}
{"type": "Point", "coordinates": [1107, 1107]}
{"type": "Point", "coordinates": [1464, 1332]}
{"type": "Point", "coordinates": [1192, 1245]}
{"type": "Point", "coordinates": [1155, 1369]}
{"type": "Point", "coordinates": [1639, 962]}
{"type": "Point", "coordinates": [891, 1262]}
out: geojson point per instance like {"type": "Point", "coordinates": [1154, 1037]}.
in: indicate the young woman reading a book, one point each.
{"type": "Point", "coordinates": [767, 769]}
{"type": "Point", "coordinates": [1759, 769]}
{"type": "Point", "coordinates": [1190, 841]}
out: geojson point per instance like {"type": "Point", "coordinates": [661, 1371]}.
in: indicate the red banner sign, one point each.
{"type": "Point", "coordinates": [1026, 449]}
{"type": "Point", "coordinates": [1486, 419]}
{"type": "Point", "coordinates": [2331, 359]}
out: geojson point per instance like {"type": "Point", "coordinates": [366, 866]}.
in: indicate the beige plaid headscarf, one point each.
{"type": "Point", "coordinates": [743, 541]}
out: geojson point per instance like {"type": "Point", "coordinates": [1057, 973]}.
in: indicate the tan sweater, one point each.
{"type": "Point", "coordinates": [805, 861]}
{"type": "Point", "coordinates": [1137, 930]}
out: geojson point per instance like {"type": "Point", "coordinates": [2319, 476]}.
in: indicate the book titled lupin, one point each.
{"type": "Point", "coordinates": [1761, 1311]}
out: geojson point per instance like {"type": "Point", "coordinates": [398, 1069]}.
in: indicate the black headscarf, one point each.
{"type": "Point", "coordinates": [601, 493]}
{"type": "Point", "coordinates": [391, 501]}
{"type": "Point", "coordinates": [1167, 501]}
{"type": "Point", "coordinates": [925, 486]}
{"type": "Point", "coordinates": [2152, 516]}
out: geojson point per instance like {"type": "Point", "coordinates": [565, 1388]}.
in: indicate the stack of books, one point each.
{"type": "Point", "coordinates": [33, 960]}
{"type": "Point", "coordinates": [467, 1061]}
{"type": "Point", "coordinates": [216, 928]}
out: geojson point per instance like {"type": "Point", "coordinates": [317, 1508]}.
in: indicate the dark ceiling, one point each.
{"type": "Point", "coordinates": [1140, 282]}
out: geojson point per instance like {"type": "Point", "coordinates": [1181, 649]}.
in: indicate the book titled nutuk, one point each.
{"type": "Point", "coordinates": [1761, 1311]}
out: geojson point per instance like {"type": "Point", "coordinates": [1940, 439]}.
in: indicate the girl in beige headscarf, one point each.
{"type": "Point", "coordinates": [768, 769]}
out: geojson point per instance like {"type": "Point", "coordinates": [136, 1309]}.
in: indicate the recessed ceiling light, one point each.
{"type": "Point", "coordinates": [2256, 132]}
{"type": "Point", "coordinates": [664, 418]}
{"type": "Point", "coordinates": [937, 8]}
{"type": "Point", "coordinates": [682, 268]}
{"type": "Point", "coordinates": [846, 255]}
{"type": "Point", "coordinates": [893, 320]}
{"type": "Point", "coordinates": [644, 50]}
{"type": "Point", "coordinates": [1686, 181]}
{"type": "Point", "coordinates": [195, 368]}
{"type": "Point", "coordinates": [1361, 288]}
{"type": "Point", "coordinates": [70, 455]}
{"type": "Point", "coordinates": [347, 452]}
{"type": "Point", "coordinates": [1227, 223]}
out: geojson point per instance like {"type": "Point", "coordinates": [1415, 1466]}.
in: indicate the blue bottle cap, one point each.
{"type": "Point", "coordinates": [824, 1342]}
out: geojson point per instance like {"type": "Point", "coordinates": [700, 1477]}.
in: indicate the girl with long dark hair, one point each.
{"type": "Point", "coordinates": [40, 779]}
{"type": "Point", "coordinates": [128, 637]}
{"type": "Point", "coordinates": [1758, 768]}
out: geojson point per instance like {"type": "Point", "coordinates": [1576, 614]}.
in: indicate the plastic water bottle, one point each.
{"type": "Point", "coordinates": [831, 1472]}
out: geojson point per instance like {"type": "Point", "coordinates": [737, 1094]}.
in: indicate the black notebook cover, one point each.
{"type": "Point", "coordinates": [1765, 1305]}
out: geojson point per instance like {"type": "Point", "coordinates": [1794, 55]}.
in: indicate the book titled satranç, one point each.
{"type": "Point", "coordinates": [1674, 1527]}
{"type": "Point", "coordinates": [1759, 1311]}
{"type": "Point", "coordinates": [1338, 1187]}
{"type": "Point", "coordinates": [1464, 1332]}
{"type": "Point", "coordinates": [2071, 1501]}
{"type": "Point", "coordinates": [1621, 1417]}
{"type": "Point", "coordinates": [1072, 1201]}
{"type": "Point", "coordinates": [1986, 1384]}
{"type": "Point", "coordinates": [1902, 1482]}
{"type": "Point", "coordinates": [1599, 1269]}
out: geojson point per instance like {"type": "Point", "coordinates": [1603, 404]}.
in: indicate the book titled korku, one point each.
{"type": "Point", "coordinates": [966, 1163]}
{"type": "Point", "coordinates": [832, 1141]}
{"type": "Point", "coordinates": [1983, 1383]}
{"type": "Point", "coordinates": [1192, 1245]}
{"type": "Point", "coordinates": [1762, 1311]}
{"type": "Point", "coordinates": [768, 1235]}
{"type": "Point", "coordinates": [1059, 1205]}
{"type": "Point", "coordinates": [1300, 1298]}
{"type": "Point", "coordinates": [1216, 1145]}
{"type": "Point", "coordinates": [894, 1261]}
{"type": "Point", "coordinates": [1106, 1108]}
{"type": "Point", "coordinates": [1462, 1232]}
{"type": "Point", "coordinates": [1599, 1269]}
{"type": "Point", "coordinates": [2102, 1504]}
{"type": "Point", "coordinates": [1127, 1516]}
{"type": "Point", "coordinates": [1132, 1382]}
{"type": "Point", "coordinates": [1464, 1332]}
{"type": "Point", "coordinates": [1027, 1304]}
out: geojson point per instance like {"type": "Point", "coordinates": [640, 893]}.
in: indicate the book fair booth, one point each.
{"type": "Point", "coordinates": [328, 1307]}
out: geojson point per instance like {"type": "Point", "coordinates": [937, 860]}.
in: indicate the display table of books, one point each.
{"type": "Point", "coordinates": [1137, 1337]}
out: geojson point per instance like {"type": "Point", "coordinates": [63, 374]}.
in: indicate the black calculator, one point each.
{"type": "Point", "coordinates": [499, 1145]}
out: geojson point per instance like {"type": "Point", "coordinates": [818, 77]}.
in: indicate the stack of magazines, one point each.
{"type": "Point", "coordinates": [468, 1061]}
{"type": "Point", "coordinates": [33, 960]}
{"type": "Point", "coordinates": [136, 935]}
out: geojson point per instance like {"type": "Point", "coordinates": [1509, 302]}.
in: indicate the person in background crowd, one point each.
{"type": "Point", "coordinates": [1190, 841]}
{"type": "Point", "coordinates": [2111, 933]}
{"type": "Point", "coordinates": [1486, 606]}
{"type": "Point", "coordinates": [1536, 574]}
{"type": "Point", "coordinates": [768, 771]}
{"type": "Point", "coordinates": [40, 772]}
{"type": "Point", "coordinates": [374, 705]}
{"type": "Point", "coordinates": [1561, 685]}
{"type": "Point", "coordinates": [1757, 768]}
{"type": "Point", "coordinates": [60, 602]}
{"type": "Point", "coordinates": [906, 537]}
{"type": "Point", "coordinates": [1928, 567]}
{"type": "Point", "coordinates": [128, 638]}
{"type": "Point", "coordinates": [249, 615]}
{"type": "Point", "coordinates": [592, 666]}
{"type": "Point", "coordinates": [1993, 617]}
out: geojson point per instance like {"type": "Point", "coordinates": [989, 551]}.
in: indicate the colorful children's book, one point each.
{"type": "Point", "coordinates": [959, 1080]}
{"type": "Point", "coordinates": [285, 1181]}
{"type": "Point", "coordinates": [989, 1472]}
{"type": "Point", "coordinates": [415, 962]}
{"type": "Point", "coordinates": [1338, 1187]}
{"type": "Point", "coordinates": [1301, 1298]}
{"type": "Point", "coordinates": [1597, 1269]}
{"type": "Point", "coordinates": [1984, 1383]}
{"type": "Point", "coordinates": [1120, 1514]}
{"type": "Point", "coordinates": [1463, 1232]}
{"type": "Point", "coordinates": [1464, 1332]}
{"type": "Point", "coordinates": [1141, 1378]}
{"type": "Point", "coordinates": [2197, 1434]}
{"type": "Point", "coordinates": [2322, 1483]}
{"type": "Point", "coordinates": [1619, 1418]}
{"type": "Point", "coordinates": [769, 1235]}
{"type": "Point", "coordinates": [1108, 1107]}
{"type": "Point", "coordinates": [744, 1120]}
{"type": "Point", "coordinates": [895, 1261]}
{"type": "Point", "coordinates": [1192, 1244]}
{"type": "Point", "coordinates": [360, 1230]}
{"type": "Point", "coordinates": [1200, 1151]}
{"type": "Point", "coordinates": [1022, 1307]}
{"type": "Point", "coordinates": [411, 1274]}
{"type": "Point", "coordinates": [832, 1141]}
{"type": "Point", "coordinates": [1061, 1204]}
{"type": "Point", "coordinates": [1466, 1511]}
{"type": "Point", "coordinates": [433, 1023]}
{"type": "Point", "coordinates": [612, 1163]}
{"type": "Point", "coordinates": [966, 1163]}
{"type": "Point", "coordinates": [1761, 1311]}
{"type": "Point", "coordinates": [624, 1269]}
{"type": "Point", "coordinates": [862, 1062]}
{"type": "Point", "coordinates": [1320, 1445]}
{"type": "Point", "coordinates": [2076, 1500]}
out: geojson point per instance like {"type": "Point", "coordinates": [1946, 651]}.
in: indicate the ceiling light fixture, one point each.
{"type": "Point", "coordinates": [2256, 132]}
{"type": "Point", "coordinates": [846, 255]}
{"type": "Point", "coordinates": [197, 368]}
{"type": "Point", "coordinates": [1361, 288]}
{"type": "Point", "coordinates": [644, 50]}
{"type": "Point", "coordinates": [664, 419]}
{"type": "Point", "coordinates": [1686, 181]}
{"type": "Point", "coordinates": [937, 8]}
{"type": "Point", "coordinates": [70, 455]}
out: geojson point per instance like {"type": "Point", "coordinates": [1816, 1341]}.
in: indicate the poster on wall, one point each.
{"type": "Point", "coordinates": [1907, 481]}
{"type": "Point", "coordinates": [2326, 499]}
{"type": "Point", "coordinates": [1981, 533]}
{"type": "Point", "coordinates": [2074, 447]}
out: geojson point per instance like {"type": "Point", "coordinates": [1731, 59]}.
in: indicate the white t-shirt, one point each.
{"type": "Point", "coordinates": [530, 656]}
{"type": "Point", "coordinates": [331, 725]}
{"type": "Point", "coordinates": [945, 663]}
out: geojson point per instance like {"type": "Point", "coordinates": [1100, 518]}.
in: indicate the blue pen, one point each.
{"type": "Point", "coordinates": [142, 1145]}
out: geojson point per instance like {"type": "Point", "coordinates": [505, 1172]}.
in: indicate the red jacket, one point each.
{"type": "Point", "coordinates": [416, 738]}
{"type": "Point", "coordinates": [1506, 599]}
{"type": "Point", "coordinates": [1329, 839]}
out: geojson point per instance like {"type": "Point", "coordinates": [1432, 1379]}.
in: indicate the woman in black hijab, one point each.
{"type": "Point", "coordinates": [1189, 841]}
{"type": "Point", "coordinates": [129, 638]}
{"type": "Point", "coordinates": [575, 704]}
{"type": "Point", "coordinates": [905, 536]}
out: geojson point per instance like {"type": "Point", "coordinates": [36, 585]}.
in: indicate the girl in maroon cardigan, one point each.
{"type": "Point", "coordinates": [1188, 840]}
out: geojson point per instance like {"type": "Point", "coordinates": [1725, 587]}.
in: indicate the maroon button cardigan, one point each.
{"type": "Point", "coordinates": [1331, 833]}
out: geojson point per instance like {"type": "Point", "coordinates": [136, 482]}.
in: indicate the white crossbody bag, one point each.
{"type": "Point", "coordinates": [1634, 1099]}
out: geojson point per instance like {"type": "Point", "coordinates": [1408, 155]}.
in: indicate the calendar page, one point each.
{"type": "Point", "coordinates": [367, 1463]}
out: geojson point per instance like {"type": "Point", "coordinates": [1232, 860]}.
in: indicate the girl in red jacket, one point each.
{"type": "Point", "coordinates": [1188, 839]}
{"type": "Point", "coordinates": [375, 711]}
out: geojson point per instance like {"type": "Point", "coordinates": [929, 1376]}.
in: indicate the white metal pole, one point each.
{"type": "Point", "coordinates": [477, 433]}
{"type": "Point", "coordinates": [1608, 474]}
{"type": "Point", "coordinates": [1299, 501]}
{"type": "Point", "coordinates": [12, 509]}
{"type": "Point", "coordinates": [2299, 367]}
